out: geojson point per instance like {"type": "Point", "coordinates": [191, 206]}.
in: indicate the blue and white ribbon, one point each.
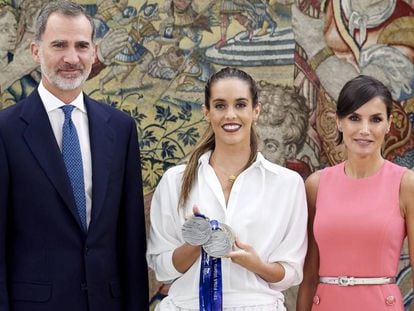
{"type": "Point", "coordinates": [210, 286]}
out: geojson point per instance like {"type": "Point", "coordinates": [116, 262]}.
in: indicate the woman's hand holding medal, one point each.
{"type": "Point", "coordinates": [246, 256]}
{"type": "Point", "coordinates": [197, 229]}
{"type": "Point", "coordinates": [217, 239]}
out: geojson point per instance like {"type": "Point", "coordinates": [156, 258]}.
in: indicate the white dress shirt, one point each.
{"type": "Point", "coordinates": [56, 116]}
{"type": "Point", "coordinates": [266, 209]}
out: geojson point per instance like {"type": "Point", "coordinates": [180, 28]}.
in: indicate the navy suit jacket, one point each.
{"type": "Point", "coordinates": [47, 262]}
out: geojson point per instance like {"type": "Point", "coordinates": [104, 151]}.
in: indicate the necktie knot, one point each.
{"type": "Point", "coordinates": [67, 110]}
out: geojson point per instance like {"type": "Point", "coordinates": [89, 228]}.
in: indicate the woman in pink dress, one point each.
{"type": "Point", "coordinates": [359, 212]}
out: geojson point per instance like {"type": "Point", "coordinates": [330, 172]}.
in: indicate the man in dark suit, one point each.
{"type": "Point", "coordinates": [72, 232]}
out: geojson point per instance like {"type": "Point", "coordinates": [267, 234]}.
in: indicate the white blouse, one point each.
{"type": "Point", "coordinates": [266, 209]}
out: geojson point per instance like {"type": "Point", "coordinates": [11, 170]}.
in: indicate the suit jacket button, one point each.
{"type": "Point", "coordinates": [86, 251]}
{"type": "Point", "coordinates": [316, 300]}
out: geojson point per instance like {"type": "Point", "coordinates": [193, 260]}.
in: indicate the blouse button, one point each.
{"type": "Point", "coordinates": [390, 300]}
{"type": "Point", "coordinates": [316, 300]}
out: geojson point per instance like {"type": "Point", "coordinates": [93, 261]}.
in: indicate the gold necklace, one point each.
{"type": "Point", "coordinates": [230, 177]}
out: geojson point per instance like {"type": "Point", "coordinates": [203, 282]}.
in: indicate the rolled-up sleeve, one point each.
{"type": "Point", "coordinates": [165, 228]}
{"type": "Point", "coordinates": [292, 250]}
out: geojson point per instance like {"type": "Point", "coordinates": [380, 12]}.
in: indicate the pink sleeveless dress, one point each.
{"type": "Point", "coordinates": [359, 231]}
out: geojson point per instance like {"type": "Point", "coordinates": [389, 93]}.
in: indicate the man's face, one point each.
{"type": "Point", "coordinates": [271, 143]}
{"type": "Point", "coordinates": [182, 4]}
{"type": "Point", "coordinates": [8, 32]}
{"type": "Point", "coordinates": [65, 54]}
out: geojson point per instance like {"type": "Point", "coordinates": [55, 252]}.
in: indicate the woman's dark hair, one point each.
{"type": "Point", "coordinates": [359, 91]}
{"type": "Point", "coordinates": [229, 72]}
{"type": "Point", "coordinates": [207, 141]}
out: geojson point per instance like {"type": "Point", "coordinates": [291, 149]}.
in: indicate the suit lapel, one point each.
{"type": "Point", "coordinates": [42, 142]}
{"type": "Point", "coordinates": [102, 138]}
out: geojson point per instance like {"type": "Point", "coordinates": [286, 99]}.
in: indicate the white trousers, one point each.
{"type": "Point", "coordinates": [167, 305]}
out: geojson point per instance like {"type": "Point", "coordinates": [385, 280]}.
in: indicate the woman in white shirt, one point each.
{"type": "Point", "coordinates": [228, 180]}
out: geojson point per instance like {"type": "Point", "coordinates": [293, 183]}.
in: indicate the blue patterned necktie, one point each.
{"type": "Point", "coordinates": [72, 157]}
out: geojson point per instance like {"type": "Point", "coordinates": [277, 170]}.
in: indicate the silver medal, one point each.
{"type": "Point", "coordinates": [196, 230]}
{"type": "Point", "coordinates": [220, 242]}
{"type": "Point", "coordinates": [230, 232]}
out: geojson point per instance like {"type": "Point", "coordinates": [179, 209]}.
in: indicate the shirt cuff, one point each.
{"type": "Point", "coordinates": [169, 273]}
{"type": "Point", "coordinates": [291, 277]}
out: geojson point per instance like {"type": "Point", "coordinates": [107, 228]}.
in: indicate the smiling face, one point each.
{"type": "Point", "coordinates": [231, 112]}
{"type": "Point", "coordinates": [8, 31]}
{"type": "Point", "coordinates": [364, 129]}
{"type": "Point", "coordinates": [66, 53]}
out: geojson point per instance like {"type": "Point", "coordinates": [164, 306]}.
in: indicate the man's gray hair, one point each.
{"type": "Point", "coordinates": [66, 8]}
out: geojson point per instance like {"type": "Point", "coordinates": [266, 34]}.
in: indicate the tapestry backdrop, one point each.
{"type": "Point", "coordinates": [155, 57]}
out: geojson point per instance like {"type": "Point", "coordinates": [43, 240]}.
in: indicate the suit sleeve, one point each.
{"type": "Point", "coordinates": [134, 269]}
{"type": "Point", "coordinates": [4, 189]}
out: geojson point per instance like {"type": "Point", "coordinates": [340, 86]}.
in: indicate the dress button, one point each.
{"type": "Point", "coordinates": [316, 300]}
{"type": "Point", "coordinates": [390, 300]}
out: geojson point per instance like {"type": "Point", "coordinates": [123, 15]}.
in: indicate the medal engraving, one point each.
{"type": "Point", "coordinates": [196, 230]}
{"type": "Point", "coordinates": [230, 232]}
{"type": "Point", "coordinates": [220, 242]}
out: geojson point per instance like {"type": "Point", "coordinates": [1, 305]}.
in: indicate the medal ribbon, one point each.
{"type": "Point", "coordinates": [210, 286]}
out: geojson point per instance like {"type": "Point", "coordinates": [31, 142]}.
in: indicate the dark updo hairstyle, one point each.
{"type": "Point", "coordinates": [230, 72]}
{"type": "Point", "coordinates": [207, 141]}
{"type": "Point", "coordinates": [359, 91]}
